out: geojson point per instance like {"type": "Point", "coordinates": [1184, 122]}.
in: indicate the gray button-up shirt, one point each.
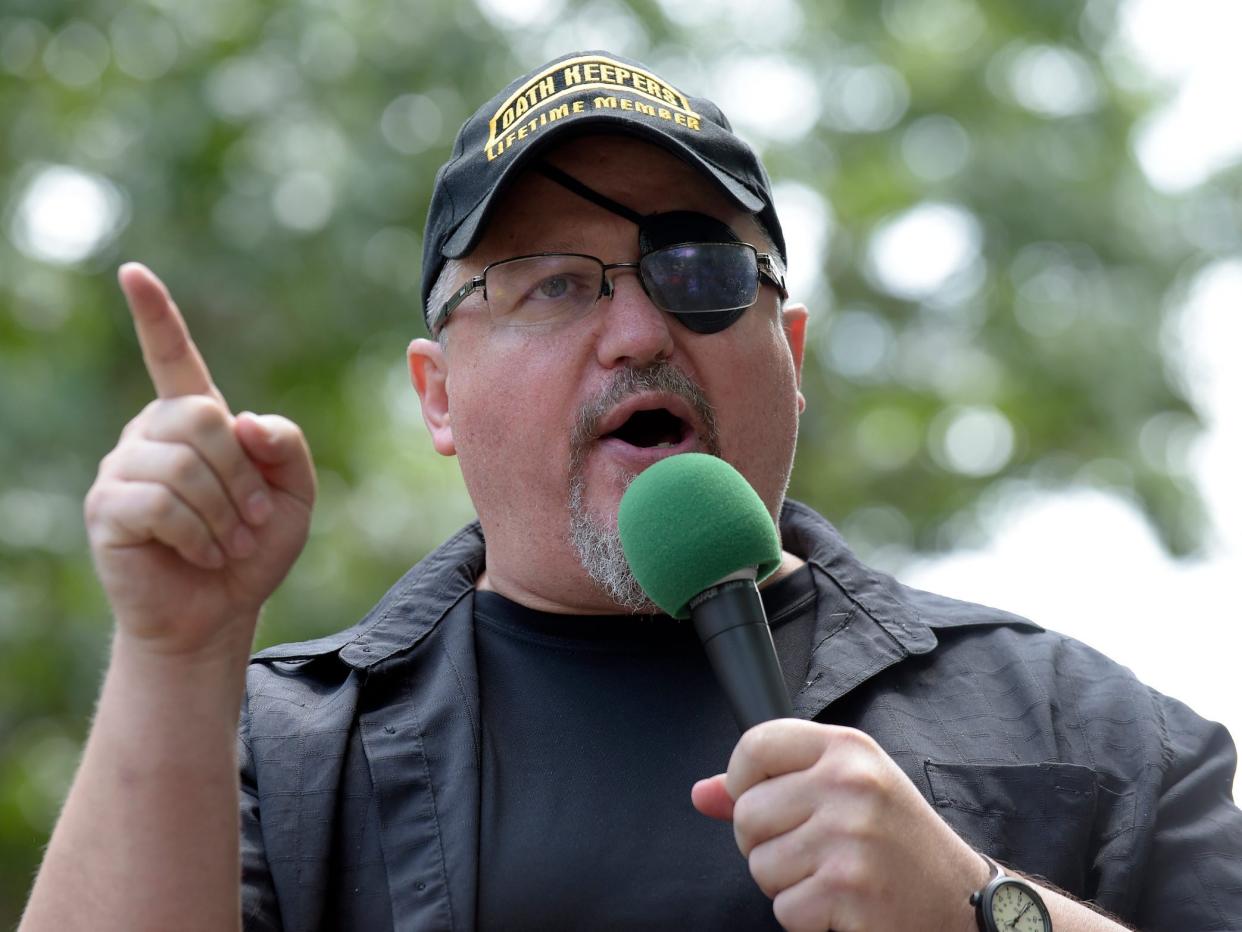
{"type": "Point", "coordinates": [360, 751]}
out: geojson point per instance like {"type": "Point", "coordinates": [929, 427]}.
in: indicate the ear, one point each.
{"type": "Point", "coordinates": [429, 375]}
{"type": "Point", "coordinates": [793, 319]}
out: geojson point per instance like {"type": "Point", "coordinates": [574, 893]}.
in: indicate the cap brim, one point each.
{"type": "Point", "coordinates": [469, 230]}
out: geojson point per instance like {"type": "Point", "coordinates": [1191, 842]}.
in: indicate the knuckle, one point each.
{"type": "Point", "coordinates": [183, 465]}
{"type": "Point", "coordinates": [763, 870]}
{"type": "Point", "coordinates": [149, 410]}
{"type": "Point", "coordinates": [847, 877]}
{"type": "Point", "coordinates": [793, 914]}
{"type": "Point", "coordinates": [241, 474]}
{"type": "Point", "coordinates": [110, 462]}
{"type": "Point", "coordinates": [752, 743]}
{"type": "Point", "coordinates": [220, 514]}
{"type": "Point", "coordinates": [744, 840]}
{"type": "Point", "coordinates": [203, 414]}
{"type": "Point", "coordinates": [161, 504]}
{"type": "Point", "coordinates": [745, 811]}
{"type": "Point", "coordinates": [861, 740]}
{"type": "Point", "coordinates": [138, 423]}
{"type": "Point", "coordinates": [863, 778]}
{"type": "Point", "coordinates": [93, 505]}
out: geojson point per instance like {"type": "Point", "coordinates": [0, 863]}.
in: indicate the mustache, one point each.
{"type": "Point", "coordinates": [658, 377]}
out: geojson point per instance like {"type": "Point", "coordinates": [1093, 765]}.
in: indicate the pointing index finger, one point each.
{"type": "Point", "coordinates": [173, 361]}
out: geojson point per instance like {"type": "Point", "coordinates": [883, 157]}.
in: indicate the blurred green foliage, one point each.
{"type": "Point", "coordinates": [272, 162]}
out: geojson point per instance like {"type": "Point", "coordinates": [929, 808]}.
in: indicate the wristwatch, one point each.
{"type": "Point", "coordinates": [1009, 904]}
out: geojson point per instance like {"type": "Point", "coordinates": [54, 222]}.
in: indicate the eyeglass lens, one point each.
{"type": "Point", "coordinates": [701, 277]}
{"type": "Point", "coordinates": [691, 279]}
{"type": "Point", "coordinates": [541, 289]}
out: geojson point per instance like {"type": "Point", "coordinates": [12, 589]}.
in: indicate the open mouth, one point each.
{"type": "Point", "coordinates": [657, 428]}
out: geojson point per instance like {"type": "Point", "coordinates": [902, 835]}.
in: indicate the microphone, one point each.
{"type": "Point", "coordinates": [699, 539]}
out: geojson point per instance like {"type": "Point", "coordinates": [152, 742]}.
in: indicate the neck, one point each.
{"type": "Point", "coordinates": [587, 599]}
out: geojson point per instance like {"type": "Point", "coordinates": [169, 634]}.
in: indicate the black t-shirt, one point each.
{"type": "Point", "coordinates": [594, 730]}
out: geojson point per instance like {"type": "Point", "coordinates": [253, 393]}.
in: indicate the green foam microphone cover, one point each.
{"type": "Point", "coordinates": [690, 520]}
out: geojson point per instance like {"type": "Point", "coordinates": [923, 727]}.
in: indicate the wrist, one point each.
{"type": "Point", "coordinates": [227, 643]}
{"type": "Point", "coordinates": [206, 681]}
{"type": "Point", "coordinates": [1008, 899]}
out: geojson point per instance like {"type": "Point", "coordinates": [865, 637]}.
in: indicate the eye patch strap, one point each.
{"type": "Point", "coordinates": [552, 173]}
{"type": "Point", "coordinates": [655, 231]}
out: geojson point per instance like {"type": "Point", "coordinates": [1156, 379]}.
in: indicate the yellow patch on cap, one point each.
{"type": "Point", "coordinates": [621, 86]}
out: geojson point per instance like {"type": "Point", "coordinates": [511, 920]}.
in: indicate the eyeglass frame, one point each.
{"type": "Point", "coordinates": [767, 266]}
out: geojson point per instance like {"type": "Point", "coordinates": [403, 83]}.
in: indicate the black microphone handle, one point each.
{"type": "Point", "coordinates": [733, 627]}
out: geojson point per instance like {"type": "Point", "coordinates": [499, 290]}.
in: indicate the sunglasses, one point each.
{"type": "Point", "coordinates": [706, 286]}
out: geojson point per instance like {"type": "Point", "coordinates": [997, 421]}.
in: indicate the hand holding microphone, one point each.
{"type": "Point", "coordinates": [825, 818]}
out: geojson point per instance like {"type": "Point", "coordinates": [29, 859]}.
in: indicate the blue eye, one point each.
{"type": "Point", "coordinates": [556, 286]}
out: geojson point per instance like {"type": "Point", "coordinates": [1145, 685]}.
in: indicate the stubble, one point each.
{"type": "Point", "coordinates": [595, 539]}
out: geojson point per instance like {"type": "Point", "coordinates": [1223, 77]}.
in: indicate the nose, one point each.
{"type": "Point", "coordinates": [631, 330]}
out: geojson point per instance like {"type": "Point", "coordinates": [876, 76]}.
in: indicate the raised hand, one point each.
{"type": "Point", "coordinates": [196, 516]}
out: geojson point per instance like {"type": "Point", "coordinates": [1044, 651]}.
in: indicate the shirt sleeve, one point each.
{"type": "Point", "coordinates": [1194, 874]}
{"type": "Point", "coordinates": [260, 909]}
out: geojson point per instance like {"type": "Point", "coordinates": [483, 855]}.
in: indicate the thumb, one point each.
{"type": "Point", "coordinates": [712, 799]}
{"type": "Point", "coordinates": [277, 447]}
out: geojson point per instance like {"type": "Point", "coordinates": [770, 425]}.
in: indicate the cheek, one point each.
{"type": "Point", "coordinates": [758, 410]}
{"type": "Point", "coordinates": [506, 423]}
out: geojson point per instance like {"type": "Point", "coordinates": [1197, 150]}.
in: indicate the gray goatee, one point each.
{"type": "Point", "coordinates": [595, 540]}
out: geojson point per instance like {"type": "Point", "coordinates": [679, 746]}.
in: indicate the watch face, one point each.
{"type": "Point", "coordinates": [1014, 907]}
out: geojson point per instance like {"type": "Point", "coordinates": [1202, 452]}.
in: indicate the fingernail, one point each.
{"type": "Point", "coordinates": [259, 507]}
{"type": "Point", "coordinates": [242, 542]}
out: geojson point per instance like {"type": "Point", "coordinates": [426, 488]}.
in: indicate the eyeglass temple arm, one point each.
{"type": "Point", "coordinates": [460, 295]}
{"type": "Point", "coordinates": [770, 268]}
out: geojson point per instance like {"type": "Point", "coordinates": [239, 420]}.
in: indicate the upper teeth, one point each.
{"type": "Point", "coordinates": [664, 445]}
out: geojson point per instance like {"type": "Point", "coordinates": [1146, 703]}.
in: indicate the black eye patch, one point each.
{"type": "Point", "coordinates": [675, 228]}
{"type": "Point", "coordinates": [656, 231]}
{"type": "Point", "coordinates": [659, 231]}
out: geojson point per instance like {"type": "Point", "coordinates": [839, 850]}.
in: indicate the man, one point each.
{"type": "Point", "coordinates": [495, 745]}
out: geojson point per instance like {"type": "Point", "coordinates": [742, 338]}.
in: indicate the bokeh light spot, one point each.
{"type": "Point", "coordinates": [772, 96]}
{"type": "Point", "coordinates": [865, 98]}
{"type": "Point", "coordinates": [919, 252]}
{"type": "Point", "coordinates": [1053, 81]}
{"type": "Point", "coordinates": [770, 24]}
{"type": "Point", "coordinates": [935, 147]}
{"type": "Point", "coordinates": [806, 220]}
{"type": "Point", "coordinates": [887, 437]}
{"type": "Point", "coordinates": [303, 201]}
{"type": "Point", "coordinates": [247, 85]}
{"type": "Point", "coordinates": [66, 215]}
{"type": "Point", "coordinates": [880, 534]}
{"type": "Point", "coordinates": [974, 440]}
{"type": "Point", "coordinates": [856, 344]}
{"type": "Point", "coordinates": [520, 13]}
{"type": "Point", "coordinates": [411, 123]}
{"type": "Point", "coordinates": [20, 41]}
{"type": "Point", "coordinates": [327, 51]}
{"type": "Point", "coordinates": [145, 46]}
{"type": "Point", "coordinates": [391, 257]}
{"type": "Point", "coordinates": [77, 55]}
{"type": "Point", "coordinates": [940, 26]}
{"type": "Point", "coordinates": [601, 24]}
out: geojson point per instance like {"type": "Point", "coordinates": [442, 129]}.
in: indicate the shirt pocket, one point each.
{"type": "Point", "coordinates": [1037, 818]}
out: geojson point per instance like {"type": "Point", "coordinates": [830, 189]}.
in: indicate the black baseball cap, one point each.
{"type": "Point", "coordinates": [594, 91]}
